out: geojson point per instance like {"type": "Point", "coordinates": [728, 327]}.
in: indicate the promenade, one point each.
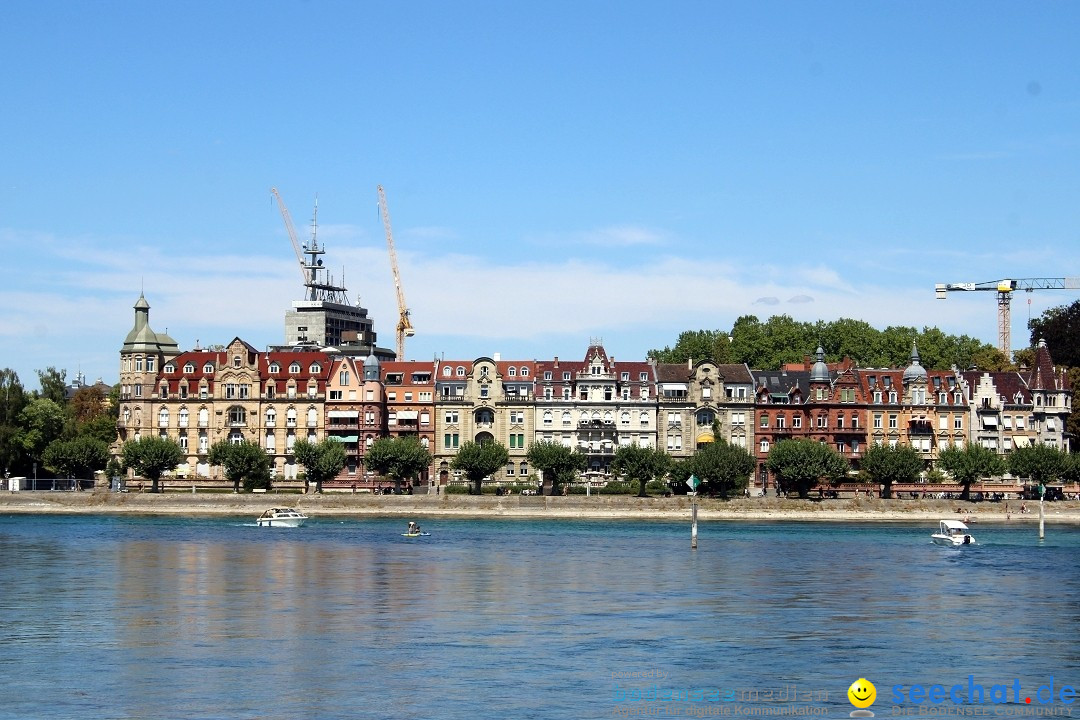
{"type": "Point", "coordinates": [512, 506]}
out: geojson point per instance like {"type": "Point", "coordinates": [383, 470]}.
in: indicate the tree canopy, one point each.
{"type": "Point", "coordinates": [1060, 328]}
{"type": "Point", "coordinates": [800, 464]}
{"type": "Point", "coordinates": [722, 468]}
{"type": "Point", "coordinates": [781, 339]}
{"type": "Point", "coordinates": [151, 457]}
{"type": "Point", "coordinates": [398, 458]}
{"type": "Point", "coordinates": [480, 460]}
{"type": "Point", "coordinates": [969, 463]}
{"type": "Point", "coordinates": [886, 464]}
{"type": "Point", "coordinates": [1039, 462]}
{"type": "Point", "coordinates": [641, 465]}
{"type": "Point", "coordinates": [244, 462]}
{"type": "Point", "coordinates": [77, 458]}
{"type": "Point", "coordinates": [322, 461]}
{"type": "Point", "coordinates": [557, 462]}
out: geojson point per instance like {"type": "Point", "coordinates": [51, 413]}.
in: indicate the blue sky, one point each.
{"type": "Point", "coordinates": [555, 171]}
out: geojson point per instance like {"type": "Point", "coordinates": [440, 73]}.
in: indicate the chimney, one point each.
{"type": "Point", "coordinates": [689, 363]}
{"type": "Point", "coordinates": [556, 361]}
{"type": "Point", "coordinates": [497, 357]}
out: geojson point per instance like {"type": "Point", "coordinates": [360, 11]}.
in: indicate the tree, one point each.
{"type": "Point", "coordinates": [1039, 462]}
{"type": "Point", "coordinates": [322, 461]}
{"type": "Point", "coordinates": [88, 404]}
{"type": "Point", "coordinates": [398, 458]}
{"type": "Point", "coordinates": [969, 463]}
{"type": "Point", "coordinates": [641, 465]}
{"type": "Point", "coordinates": [479, 460]}
{"type": "Point", "coordinates": [886, 464]}
{"type": "Point", "coordinates": [76, 458]}
{"type": "Point", "coordinates": [12, 401]}
{"type": "Point", "coordinates": [1060, 328]}
{"type": "Point", "coordinates": [53, 385]}
{"type": "Point", "coordinates": [558, 462]}
{"type": "Point", "coordinates": [696, 345]}
{"type": "Point", "coordinates": [800, 464]}
{"type": "Point", "coordinates": [101, 428]}
{"type": "Point", "coordinates": [151, 457]}
{"type": "Point", "coordinates": [723, 468]}
{"type": "Point", "coordinates": [243, 462]}
{"type": "Point", "coordinates": [42, 422]}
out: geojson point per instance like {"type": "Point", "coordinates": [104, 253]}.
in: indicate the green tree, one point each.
{"type": "Point", "coordinates": [887, 464]}
{"type": "Point", "coordinates": [12, 401]}
{"type": "Point", "coordinates": [53, 385]}
{"type": "Point", "coordinates": [969, 463]}
{"type": "Point", "coordinates": [42, 422]}
{"type": "Point", "coordinates": [696, 345]}
{"type": "Point", "coordinates": [88, 404]}
{"type": "Point", "coordinates": [76, 458]}
{"type": "Point", "coordinates": [151, 457]}
{"type": "Point", "coordinates": [398, 458]}
{"type": "Point", "coordinates": [558, 462]}
{"type": "Point", "coordinates": [800, 464]}
{"type": "Point", "coordinates": [101, 428]}
{"type": "Point", "coordinates": [322, 461]}
{"type": "Point", "coordinates": [480, 460]}
{"type": "Point", "coordinates": [723, 468]}
{"type": "Point", "coordinates": [243, 462]}
{"type": "Point", "coordinates": [1042, 463]}
{"type": "Point", "coordinates": [1060, 328]}
{"type": "Point", "coordinates": [641, 465]}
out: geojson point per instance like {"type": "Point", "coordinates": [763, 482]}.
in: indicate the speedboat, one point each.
{"type": "Point", "coordinates": [952, 533]}
{"type": "Point", "coordinates": [281, 517]}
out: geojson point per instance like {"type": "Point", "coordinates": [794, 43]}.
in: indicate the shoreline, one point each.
{"type": "Point", "coordinates": [600, 507]}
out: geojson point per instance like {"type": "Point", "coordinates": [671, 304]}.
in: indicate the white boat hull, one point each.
{"type": "Point", "coordinates": [953, 540]}
{"type": "Point", "coordinates": [281, 522]}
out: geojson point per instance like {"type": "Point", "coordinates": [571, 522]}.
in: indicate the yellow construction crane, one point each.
{"type": "Point", "coordinates": [404, 325]}
{"type": "Point", "coordinates": [1005, 289]}
{"type": "Point", "coordinates": [292, 234]}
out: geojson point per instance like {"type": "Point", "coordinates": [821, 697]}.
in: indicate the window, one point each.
{"type": "Point", "coordinates": [877, 421]}
{"type": "Point", "coordinates": [644, 419]}
{"type": "Point", "coordinates": [271, 417]}
{"type": "Point", "coordinates": [237, 416]}
{"type": "Point", "coordinates": [524, 373]}
{"type": "Point", "coordinates": [182, 417]}
{"type": "Point", "coordinates": [764, 421]}
{"type": "Point", "coordinates": [547, 374]}
{"type": "Point", "coordinates": [274, 368]}
{"type": "Point", "coordinates": [343, 378]}
{"type": "Point", "coordinates": [517, 417]}
{"type": "Point", "coordinates": [460, 373]}
{"type": "Point", "coordinates": [169, 369]}
{"type": "Point", "coordinates": [290, 417]}
{"type": "Point", "coordinates": [163, 418]}
{"type": "Point", "coordinates": [294, 369]}
{"type": "Point", "coordinates": [674, 442]}
{"type": "Point", "coordinates": [316, 368]}
{"type": "Point", "coordinates": [943, 422]}
{"type": "Point", "coordinates": [312, 417]}
{"type": "Point", "coordinates": [781, 422]}
{"type": "Point", "coordinates": [892, 397]}
{"type": "Point", "coordinates": [764, 446]}
{"type": "Point", "coordinates": [149, 364]}
{"type": "Point", "coordinates": [822, 421]}
{"type": "Point", "coordinates": [624, 418]}
{"type": "Point", "coordinates": [643, 377]}
{"type": "Point", "coordinates": [877, 397]}
{"type": "Point", "coordinates": [451, 417]}
{"type": "Point", "coordinates": [425, 418]}
{"type": "Point", "coordinates": [450, 440]}
{"type": "Point", "coordinates": [517, 441]}
{"type": "Point", "coordinates": [739, 418]}
{"type": "Point", "coordinates": [447, 372]}
{"type": "Point", "coordinates": [208, 369]}
{"type": "Point", "coordinates": [189, 368]}
{"type": "Point", "coordinates": [204, 417]}
{"type": "Point", "coordinates": [408, 397]}
{"type": "Point", "coordinates": [510, 468]}
{"type": "Point", "coordinates": [511, 371]}
{"type": "Point", "coordinates": [893, 422]}
{"type": "Point", "coordinates": [840, 422]}
{"type": "Point", "coordinates": [796, 421]}
{"type": "Point", "coordinates": [335, 395]}
{"type": "Point", "coordinates": [566, 376]}
{"type": "Point", "coordinates": [236, 361]}
{"type": "Point", "coordinates": [524, 468]}
{"type": "Point", "coordinates": [183, 442]}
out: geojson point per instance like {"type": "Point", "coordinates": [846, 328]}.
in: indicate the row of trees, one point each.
{"type": "Point", "coordinates": [779, 340]}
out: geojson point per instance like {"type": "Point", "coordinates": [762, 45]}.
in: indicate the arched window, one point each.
{"type": "Point", "coordinates": [204, 417]}
{"type": "Point", "coordinates": [208, 368]}
{"type": "Point", "coordinates": [524, 372]}
{"type": "Point", "coordinates": [446, 371]}
{"type": "Point", "coordinates": [460, 371]}
{"type": "Point", "coordinates": [290, 417]}
{"type": "Point", "coordinates": [274, 368]}
{"type": "Point", "coordinates": [169, 369]}
{"type": "Point", "coordinates": [312, 417]}
{"type": "Point", "coordinates": [163, 418]}
{"type": "Point", "coordinates": [189, 368]}
{"type": "Point", "coordinates": [182, 417]}
{"type": "Point", "coordinates": [316, 368]}
{"type": "Point", "coordinates": [271, 417]}
{"type": "Point", "coordinates": [294, 369]}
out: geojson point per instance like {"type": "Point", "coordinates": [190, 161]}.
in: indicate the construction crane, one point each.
{"type": "Point", "coordinates": [404, 325]}
{"type": "Point", "coordinates": [292, 235]}
{"type": "Point", "coordinates": [1004, 290]}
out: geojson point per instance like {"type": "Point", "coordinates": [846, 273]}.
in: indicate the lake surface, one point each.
{"type": "Point", "coordinates": [159, 617]}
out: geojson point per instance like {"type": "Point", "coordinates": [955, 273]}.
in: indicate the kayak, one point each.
{"type": "Point", "coordinates": [415, 534]}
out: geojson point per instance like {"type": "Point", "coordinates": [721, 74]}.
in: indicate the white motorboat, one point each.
{"type": "Point", "coordinates": [952, 533]}
{"type": "Point", "coordinates": [281, 517]}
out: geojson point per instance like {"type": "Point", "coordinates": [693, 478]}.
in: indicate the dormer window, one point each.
{"type": "Point", "coordinates": [461, 371]}
{"type": "Point", "coordinates": [189, 368]}
{"type": "Point", "coordinates": [547, 374]}
{"type": "Point", "coordinates": [208, 368]}
{"type": "Point", "coordinates": [447, 372]}
{"type": "Point", "coordinates": [236, 361]}
{"type": "Point", "coordinates": [643, 377]}
{"type": "Point", "coordinates": [274, 368]}
{"type": "Point", "coordinates": [566, 376]}
{"type": "Point", "coordinates": [294, 369]}
{"type": "Point", "coordinates": [169, 369]}
{"type": "Point", "coordinates": [316, 368]}
{"type": "Point", "coordinates": [524, 372]}
{"type": "Point", "coordinates": [511, 371]}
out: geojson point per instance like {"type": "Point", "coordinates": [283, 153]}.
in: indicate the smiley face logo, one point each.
{"type": "Point", "coordinates": [862, 693]}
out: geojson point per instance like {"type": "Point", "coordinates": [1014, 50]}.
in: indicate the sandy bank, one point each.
{"type": "Point", "coordinates": [574, 507]}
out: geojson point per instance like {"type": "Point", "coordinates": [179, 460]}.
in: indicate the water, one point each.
{"type": "Point", "coordinates": [144, 617]}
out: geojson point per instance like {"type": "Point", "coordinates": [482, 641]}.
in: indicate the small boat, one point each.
{"type": "Point", "coordinates": [281, 517]}
{"type": "Point", "coordinates": [420, 534]}
{"type": "Point", "coordinates": [952, 533]}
